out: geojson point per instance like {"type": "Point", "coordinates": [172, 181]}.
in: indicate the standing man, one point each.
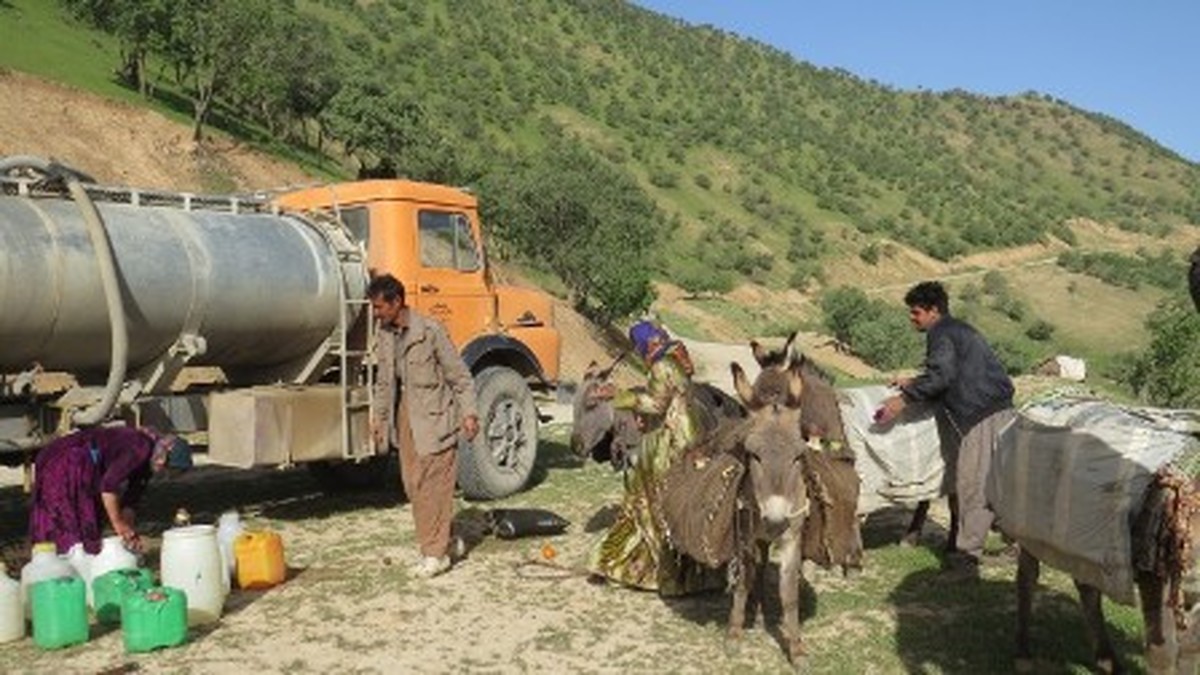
{"type": "Point", "coordinates": [425, 399]}
{"type": "Point", "coordinates": [963, 375]}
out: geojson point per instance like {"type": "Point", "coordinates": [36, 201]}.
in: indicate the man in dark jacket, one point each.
{"type": "Point", "coordinates": [963, 375]}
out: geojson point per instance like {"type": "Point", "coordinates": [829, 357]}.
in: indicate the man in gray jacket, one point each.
{"type": "Point", "coordinates": [425, 401]}
{"type": "Point", "coordinates": [963, 375]}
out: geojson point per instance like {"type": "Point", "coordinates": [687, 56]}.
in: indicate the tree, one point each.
{"type": "Point", "coordinates": [296, 75]}
{"type": "Point", "coordinates": [1168, 372]}
{"type": "Point", "coordinates": [568, 211]}
{"type": "Point", "coordinates": [374, 122]}
{"type": "Point", "coordinates": [844, 307]}
{"type": "Point", "coordinates": [139, 25]}
{"type": "Point", "coordinates": [212, 43]}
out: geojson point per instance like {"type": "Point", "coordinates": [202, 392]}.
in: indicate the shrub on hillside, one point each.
{"type": "Point", "coordinates": [1168, 372]}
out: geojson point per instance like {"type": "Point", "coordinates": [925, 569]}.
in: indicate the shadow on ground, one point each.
{"type": "Point", "coordinates": [969, 627]}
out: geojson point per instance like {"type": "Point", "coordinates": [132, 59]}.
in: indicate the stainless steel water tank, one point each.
{"type": "Point", "coordinates": [261, 289]}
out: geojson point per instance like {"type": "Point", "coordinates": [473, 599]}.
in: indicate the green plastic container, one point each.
{"type": "Point", "coordinates": [153, 618]}
{"type": "Point", "coordinates": [109, 590]}
{"type": "Point", "coordinates": [59, 612]}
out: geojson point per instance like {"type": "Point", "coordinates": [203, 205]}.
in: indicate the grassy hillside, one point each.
{"type": "Point", "coordinates": [761, 169]}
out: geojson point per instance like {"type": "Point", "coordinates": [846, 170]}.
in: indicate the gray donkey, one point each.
{"type": "Point", "coordinates": [776, 496]}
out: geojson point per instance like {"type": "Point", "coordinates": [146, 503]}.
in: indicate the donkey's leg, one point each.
{"type": "Point", "coordinates": [1093, 617]}
{"type": "Point", "coordinates": [1160, 624]}
{"type": "Point", "coordinates": [789, 593]}
{"type": "Point", "coordinates": [741, 590]}
{"type": "Point", "coordinates": [1028, 569]}
{"type": "Point", "coordinates": [913, 534]}
{"type": "Point", "coordinates": [759, 600]}
{"type": "Point", "coordinates": [952, 535]}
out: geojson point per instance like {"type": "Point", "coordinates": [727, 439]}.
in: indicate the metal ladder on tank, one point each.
{"type": "Point", "coordinates": [356, 379]}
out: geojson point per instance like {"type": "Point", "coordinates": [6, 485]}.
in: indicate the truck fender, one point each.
{"type": "Point", "coordinates": [501, 350]}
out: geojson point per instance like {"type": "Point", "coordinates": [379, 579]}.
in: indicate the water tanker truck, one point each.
{"type": "Point", "coordinates": [240, 322]}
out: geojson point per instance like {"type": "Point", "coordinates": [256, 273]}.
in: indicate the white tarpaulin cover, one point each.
{"type": "Point", "coordinates": [1069, 474]}
{"type": "Point", "coordinates": [899, 463]}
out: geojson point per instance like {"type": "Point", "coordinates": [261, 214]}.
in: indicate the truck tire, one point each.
{"type": "Point", "coordinates": [378, 473]}
{"type": "Point", "coordinates": [499, 461]}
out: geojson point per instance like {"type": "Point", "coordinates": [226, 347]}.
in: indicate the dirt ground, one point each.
{"type": "Point", "coordinates": [351, 604]}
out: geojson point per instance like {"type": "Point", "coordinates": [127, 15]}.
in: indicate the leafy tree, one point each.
{"type": "Point", "coordinates": [138, 26]}
{"type": "Point", "coordinates": [567, 210]}
{"type": "Point", "coordinates": [1040, 331]}
{"type": "Point", "coordinates": [211, 43]}
{"type": "Point", "coordinates": [843, 307]}
{"type": "Point", "coordinates": [1168, 372]}
{"type": "Point", "coordinates": [374, 122]}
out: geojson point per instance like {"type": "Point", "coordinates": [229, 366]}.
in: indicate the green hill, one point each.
{"type": "Point", "coordinates": [616, 147]}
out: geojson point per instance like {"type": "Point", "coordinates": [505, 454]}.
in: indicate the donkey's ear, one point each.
{"type": "Point", "coordinates": [788, 355]}
{"type": "Point", "coordinates": [604, 374]}
{"type": "Point", "coordinates": [741, 384]}
{"type": "Point", "coordinates": [590, 371]}
{"type": "Point", "coordinates": [795, 387]}
{"type": "Point", "coordinates": [760, 353]}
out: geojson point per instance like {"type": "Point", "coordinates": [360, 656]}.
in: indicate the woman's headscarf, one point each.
{"type": "Point", "coordinates": [642, 332]}
{"type": "Point", "coordinates": [178, 452]}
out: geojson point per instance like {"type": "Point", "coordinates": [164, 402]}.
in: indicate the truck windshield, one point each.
{"type": "Point", "coordinates": [446, 241]}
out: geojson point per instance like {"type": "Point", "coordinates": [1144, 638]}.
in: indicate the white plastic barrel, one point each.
{"type": "Point", "coordinates": [229, 526]}
{"type": "Point", "coordinates": [12, 616]}
{"type": "Point", "coordinates": [81, 561]}
{"type": "Point", "coordinates": [191, 562]}
{"type": "Point", "coordinates": [42, 566]}
{"type": "Point", "coordinates": [112, 556]}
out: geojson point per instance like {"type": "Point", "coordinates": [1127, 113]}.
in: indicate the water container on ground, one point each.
{"type": "Point", "coordinates": [12, 613]}
{"type": "Point", "coordinates": [59, 612]}
{"type": "Point", "coordinates": [153, 618]}
{"type": "Point", "coordinates": [113, 556]}
{"type": "Point", "coordinates": [191, 562]}
{"type": "Point", "coordinates": [109, 590]}
{"type": "Point", "coordinates": [229, 526]}
{"type": "Point", "coordinates": [260, 562]}
{"type": "Point", "coordinates": [44, 564]}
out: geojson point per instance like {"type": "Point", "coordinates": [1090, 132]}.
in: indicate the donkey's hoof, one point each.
{"type": "Point", "coordinates": [797, 657]}
{"type": "Point", "coordinates": [733, 643]}
{"type": "Point", "coordinates": [910, 539]}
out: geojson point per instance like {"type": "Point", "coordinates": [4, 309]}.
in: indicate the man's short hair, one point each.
{"type": "Point", "coordinates": [928, 294]}
{"type": "Point", "coordinates": [387, 287]}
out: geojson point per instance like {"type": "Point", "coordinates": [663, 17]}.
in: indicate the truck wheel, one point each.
{"type": "Point", "coordinates": [500, 459]}
{"type": "Point", "coordinates": [375, 474]}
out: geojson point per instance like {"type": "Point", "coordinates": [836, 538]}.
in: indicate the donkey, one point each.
{"type": "Point", "coordinates": [821, 420]}
{"type": "Point", "coordinates": [1165, 534]}
{"type": "Point", "coordinates": [833, 535]}
{"type": "Point", "coordinates": [609, 435]}
{"type": "Point", "coordinates": [776, 496]}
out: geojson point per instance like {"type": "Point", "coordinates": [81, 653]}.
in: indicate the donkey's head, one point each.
{"type": "Point", "coordinates": [821, 417]}
{"type": "Point", "coordinates": [773, 444]}
{"type": "Point", "coordinates": [592, 418]}
{"type": "Point", "coordinates": [598, 430]}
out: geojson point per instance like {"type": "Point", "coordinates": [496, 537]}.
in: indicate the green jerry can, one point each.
{"type": "Point", "coordinates": [109, 590]}
{"type": "Point", "coordinates": [59, 612]}
{"type": "Point", "coordinates": [153, 618]}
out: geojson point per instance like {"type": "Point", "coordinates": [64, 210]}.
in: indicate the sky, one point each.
{"type": "Point", "coordinates": [1136, 61]}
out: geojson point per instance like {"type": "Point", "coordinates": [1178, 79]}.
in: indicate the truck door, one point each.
{"type": "Point", "coordinates": [450, 279]}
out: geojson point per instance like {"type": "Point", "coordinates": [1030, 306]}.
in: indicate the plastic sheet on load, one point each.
{"type": "Point", "coordinates": [900, 463]}
{"type": "Point", "coordinates": [1068, 476]}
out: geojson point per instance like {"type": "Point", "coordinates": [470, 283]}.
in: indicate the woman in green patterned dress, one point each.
{"type": "Point", "coordinates": [635, 551]}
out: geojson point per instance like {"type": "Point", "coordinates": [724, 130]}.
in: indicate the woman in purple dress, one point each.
{"type": "Point", "coordinates": [95, 471]}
